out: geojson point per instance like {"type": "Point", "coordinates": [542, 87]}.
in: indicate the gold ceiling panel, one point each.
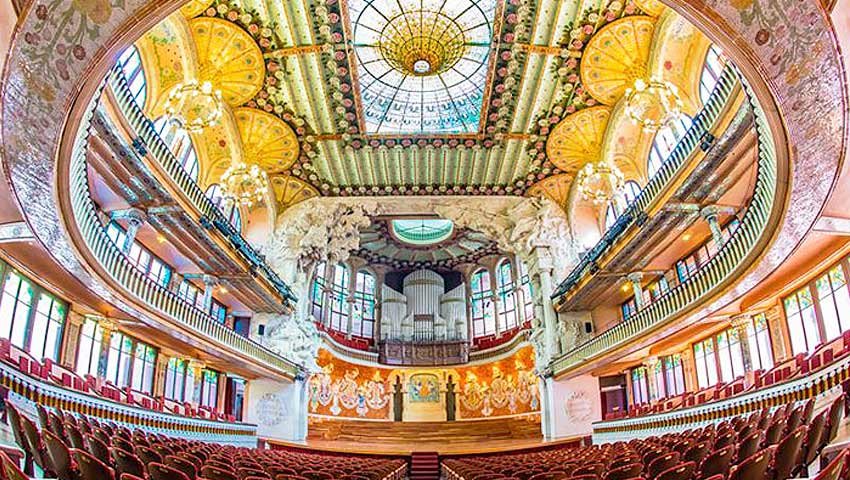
{"type": "Point", "coordinates": [290, 190]}
{"type": "Point", "coordinates": [195, 8]}
{"type": "Point", "coordinates": [266, 140]}
{"type": "Point", "coordinates": [651, 7]}
{"type": "Point", "coordinates": [616, 56]}
{"type": "Point", "coordinates": [556, 188]}
{"type": "Point", "coordinates": [578, 138]}
{"type": "Point", "coordinates": [229, 58]}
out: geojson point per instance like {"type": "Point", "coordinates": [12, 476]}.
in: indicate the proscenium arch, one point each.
{"type": "Point", "coordinates": [803, 95]}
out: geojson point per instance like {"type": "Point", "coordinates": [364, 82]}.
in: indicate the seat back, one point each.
{"type": "Point", "coordinates": [59, 456]}
{"type": "Point", "coordinates": [717, 462]}
{"type": "Point", "coordinates": [210, 472]}
{"type": "Point", "coordinates": [836, 467]}
{"type": "Point", "coordinates": [749, 445]}
{"type": "Point", "coordinates": [813, 438]}
{"type": "Point", "coordinates": [624, 472]}
{"type": "Point", "coordinates": [182, 464]}
{"type": "Point", "coordinates": [34, 443]}
{"type": "Point", "coordinates": [789, 450]}
{"type": "Point", "coordinates": [682, 471]}
{"type": "Point", "coordinates": [98, 448]}
{"type": "Point", "coordinates": [754, 467]}
{"type": "Point", "coordinates": [833, 421]}
{"type": "Point", "coordinates": [159, 471]}
{"type": "Point", "coordinates": [90, 467]}
{"type": "Point", "coordinates": [10, 470]}
{"type": "Point", "coordinates": [662, 463]}
{"type": "Point", "coordinates": [127, 462]}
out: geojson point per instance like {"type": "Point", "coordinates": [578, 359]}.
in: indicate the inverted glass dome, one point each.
{"type": "Point", "coordinates": [423, 231]}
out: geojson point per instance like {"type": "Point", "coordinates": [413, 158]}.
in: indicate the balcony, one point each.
{"type": "Point", "coordinates": [719, 271]}
{"type": "Point", "coordinates": [115, 266]}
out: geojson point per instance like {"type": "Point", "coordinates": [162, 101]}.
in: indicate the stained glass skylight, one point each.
{"type": "Point", "coordinates": [422, 64]}
{"type": "Point", "coordinates": [426, 231]}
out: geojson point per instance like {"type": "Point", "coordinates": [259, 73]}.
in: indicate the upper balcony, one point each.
{"type": "Point", "coordinates": [727, 130]}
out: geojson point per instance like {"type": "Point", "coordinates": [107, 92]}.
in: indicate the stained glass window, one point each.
{"type": "Point", "coordinates": [802, 321]}
{"type": "Point", "coordinates": [711, 71]}
{"type": "Point", "coordinates": [640, 387]}
{"type": "Point", "coordinates": [422, 64]}
{"type": "Point", "coordinates": [339, 298]}
{"type": "Point", "coordinates": [131, 66]}
{"type": "Point", "coordinates": [88, 350]}
{"type": "Point", "coordinates": [130, 363]}
{"type": "Point", "coordinates": [175, 380]}
{"type": "Point", "coordinates": [317, 290]}
{"type": "Point", "coordinates": [834, 299]}
{"type": "Point", "coordinates": [665, 141]}
{"type": "Point", "coordinates": [483, 317]}
{"type": "Point", "coordinates": [425, 231]}
{"type": "Point", "coordinates": [180, 144]}
{"type": "Point", "coordinates": [527, 292]}
{"type": "Point", "coordinates": [230, 212]}
{"type": "Point", "coordinates": [140, 256]}
{"type": "Point", "coordinates": [507, 295]}
{"type": "Point", "coordinates": [31, 318]}
{"type": "Point", "coordinates": [363, 315]}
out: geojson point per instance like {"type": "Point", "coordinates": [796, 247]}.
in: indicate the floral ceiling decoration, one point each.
{"type": "Point", "coordinates": [379, 246]}
{"type": "Point", "coordinates": [372, 100]}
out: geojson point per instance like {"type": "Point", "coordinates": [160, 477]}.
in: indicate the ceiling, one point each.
{"type": "Point", "coordinates": [421, 97]}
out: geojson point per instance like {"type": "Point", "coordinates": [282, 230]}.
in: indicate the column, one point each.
{"type": "Point", "coordinates": [379, 298]}
{"type": "Point", "coordinates": [135, 218]}
{"type": "Point", "coordinates": [635, 279]}
{"type": "Point", "coordinates": [630, 393]}
{"type": "Point", "coordinates": [469, 323]}
{"type": "Point", "coordinates": [690, 370]}
{"type": "Point", "coordinates": [107, 327]}
{"type": "Point", "coordinates": [221, 399]}
{"type": "Point", "coordinates": [327, 292]}
{"type": "Point", "coordinates": [650, 364]}
{"type": "Point", "coordinates": [159, 374]}
{"type": "Point", "coordinates": [210, 283]}
{"type": "Point", "coordinates": [550, 320]}
{"type": "Point", "coordinates": [740, 324]}
{"type": "Point", "coordinates": [709, 214]}
{"type": "Point", "coordinates": [197, 368]}
{"type": "Point", "coordinates": [497, 301]}
{"type": "Point", "coordinates": [519, 304]}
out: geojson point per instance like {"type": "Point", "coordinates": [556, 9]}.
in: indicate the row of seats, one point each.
{"type": "Point", "coordinates": [823, 356]}
{"type": "Point", "coordinates": [49, 371]}
{"type": "Point", "coordinates": [71, 447]}
{"type": "Point", "coordinates": [767, 445]}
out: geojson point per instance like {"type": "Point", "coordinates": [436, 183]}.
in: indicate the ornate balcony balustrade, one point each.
{"type": "Point", "coordinates": [715, 272]}
{"type": "Point", "coordinates": [132, 280]}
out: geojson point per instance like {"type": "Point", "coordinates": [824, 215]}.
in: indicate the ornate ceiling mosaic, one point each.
{"type": "Point", "coordinates": [425, 97]}
{"type": "Point", "coordinates": [422, 65]}
{"type": "Point", "coordinates": [380, 243]}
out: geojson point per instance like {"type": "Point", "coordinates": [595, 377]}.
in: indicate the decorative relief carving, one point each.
{"type": "Point", "coordinates": [292, 338]}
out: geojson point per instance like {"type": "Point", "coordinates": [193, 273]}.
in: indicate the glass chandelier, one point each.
{"type": "Point", "coordinates": [244, 184]}
{"type": "Point", "coordinates": [653, 103]}
{"type": "Point", "coordinates": [599, 181]}
{"type": "Point", "coordinates": [196, 106]}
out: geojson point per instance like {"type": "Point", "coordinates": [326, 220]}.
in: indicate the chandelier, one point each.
{"type": "Point", "coordinates": [653, 103]}
{"type": "Point", "coordinates": [599, 181]}
{"type": "Point", "coordinates": [244, 184]}
{"type": "Point", "coordinates": [195, 105]}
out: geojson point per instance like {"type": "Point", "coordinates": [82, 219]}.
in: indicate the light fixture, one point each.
{"type": "Point", "coordinates": [244, 184]}
{"type": "Point", "coordinates": [195, 105]}
{"type": "Point", "coordinates": [653, 103]}
{"type": "Point", "coordinates": [599, 181]}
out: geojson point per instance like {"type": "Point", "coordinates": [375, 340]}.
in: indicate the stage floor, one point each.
{"type": "Point", "coordinates": [408, 447]}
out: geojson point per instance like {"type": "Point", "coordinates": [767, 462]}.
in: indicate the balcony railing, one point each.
{"type": "Point", "coordinates": [148, 141]}
{"type": "Point", "coordinates": [698, 135]}
{"type": "Point", "coordinates": [25, 391]}
{"type": "Point", "coordinates": [153, 294]}
{"type": "Point", "coordinates": [714, 272]}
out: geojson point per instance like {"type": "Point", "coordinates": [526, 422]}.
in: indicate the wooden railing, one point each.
{"type": "Point", "coordinates": [149, 142]}
{"type": "Point", "coordinates": [153, 294]}
{"type": "Point", "coordinates": [716, 270]}
{"type": "Point", "coordinates": [25, 392]}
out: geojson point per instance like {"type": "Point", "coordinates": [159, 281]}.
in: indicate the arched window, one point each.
{"type": "Point", "coordinates": [131, 66]}
{"type": "Point", "coordinates": [317, 291]}
{"type": "Point", "coordinates": [339, 298]}
{"type": "Point", "coordinates": [483, 319]}
{"type": "Point", "coordinates": [507, 295]}
{"type": "Point", "coordinates": [665, 141]}
{"type": "Point", "coordinates": [527, 292]}
{"type": "Point", "coordinates": [363, 313]}
{"type": "Point", "coordinates": [621, 202]}
{"type": "Point", "coordinates": [216, 195]}
{"type": "Point", "coordinates": [711, 71]}
{"type": "Point", "coordinates": [180, 144]}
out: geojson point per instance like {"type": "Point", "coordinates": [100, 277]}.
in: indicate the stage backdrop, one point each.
{"type": "Point", "coordinates": [500, 388]}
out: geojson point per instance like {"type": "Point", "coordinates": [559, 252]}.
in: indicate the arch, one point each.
{"type": "Point", "coordinates": [134, 73]}
{"type": "Point", "coordinates": [363, 309]}
{"type": "Point", "coordinates": [713, 66]}
{"type": "Point", "coordinates": [481, 300]}
{"type": "Point", "coordinates": [180, 143]}
{"type": "Point", "coordinates": [231, 212]}
{"type": "Point", "coordinates": [506, 292]}
{"type": "Point", "coordinates": [665, 141]}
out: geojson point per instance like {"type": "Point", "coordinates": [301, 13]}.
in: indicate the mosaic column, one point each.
{"type": "Point", "coordinates": [107, 327]}
{"type": "Point", "coordinates": [635, 279]}
{"type": "Point", "coordinates": [709, 214]}
{"type": "Point", "coordinates": [740, 324]}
